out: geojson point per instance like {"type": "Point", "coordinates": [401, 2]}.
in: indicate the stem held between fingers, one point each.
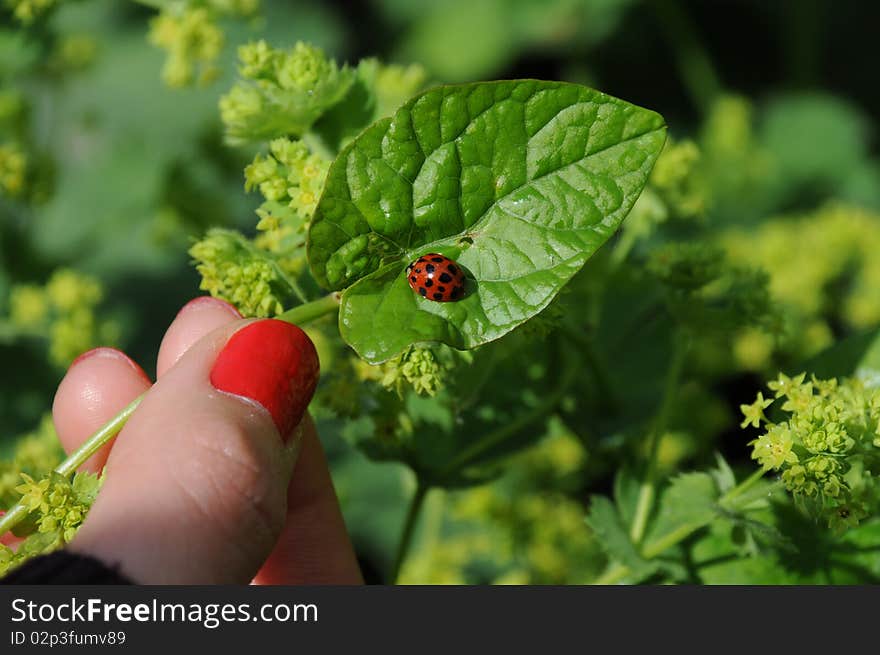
{"type": "Point", "coordinates": [298, 316]}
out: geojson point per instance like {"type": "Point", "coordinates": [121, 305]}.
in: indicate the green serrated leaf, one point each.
{"type": "Point", "coordinates": [610, 531]}
{"type": "Point", "coordinates": [519, 181]}
{"type": "Point", "coordinates": [688, 502]}
{"type": "Point", "coordinates": [723, 474]}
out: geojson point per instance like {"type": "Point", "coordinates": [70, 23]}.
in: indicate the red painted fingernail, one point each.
{"type": "Point", "coordinates": [112, 353]}
{"type": "Point", "coordinates": [209, 301]}
{"type": "Point", "coordinates": [273, 363]}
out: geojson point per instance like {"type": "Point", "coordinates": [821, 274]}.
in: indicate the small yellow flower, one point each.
{"type": "Point", "coordinates": [784, 385]}
{"type": "Point", "coordinates": [754, 413]}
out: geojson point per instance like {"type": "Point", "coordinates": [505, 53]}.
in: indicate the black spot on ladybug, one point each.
{"type": "Point", "coordinates": [436, 277]}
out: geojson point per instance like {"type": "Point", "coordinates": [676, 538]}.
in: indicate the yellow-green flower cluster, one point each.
{"type": "Point", "coordinates": [676, 179]}
{"type": "Point", "coordinates": [508, 538]}
{"type": "Point", "coordinates": [805, 254]}
{"type": "Point", "coordinates": [733, 163]}
{"type": "Point", "coordinates": [291, 179]}
{"type": "Point", "coordinates": [64, 311]}
{"type": "Point", "coordinates": [676, 190]}
{"type": "Point", "coordinates": [282, 92]}
{"type": "Point", "coordinates": [234, 270]}
{"type": "Point", "coordinates": [417, 367]}
{"type": "Point", "coordinates": [192, 40]}
{"type": "Point", "coordinates": [712, 296]}
{"type": "Point", "coordinates": [13, 170]}
{"type": "Point", "coordinates": [395, 84]}
{"type": "Point", "coordinates": [35, 454]}
{"type": "Point", "coordinates": [685, 266]}
{"type": "Point", "coordinates": [424, 369]}
{"type": "Point", "coordinates": [29, 10]}
{"type": "Point", "coordinates": [57, 506]}
{"type": "Point", "coordinates": [827, 448]}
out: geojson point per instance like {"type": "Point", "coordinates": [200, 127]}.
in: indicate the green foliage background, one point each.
{"type": "Point", "coordinates": [751, 251]}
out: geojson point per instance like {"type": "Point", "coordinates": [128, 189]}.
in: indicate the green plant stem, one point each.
{"type": "Point", "coordinates": [76, 459]}
{"type": "Point", "coordinates": [743, 486]}
{"type": "Point", "coordinates": [647, 490]}
{"type": "Point", "coordinates": [694, 64]}
{"type": "Point", "coordinates": [297, 315]}
{"type": "Point", "coordinates": [311, 310]}
{"type": "Point", "coordinates": [617, 572]}
{"type": "Point", "coordinates": [406, 535]}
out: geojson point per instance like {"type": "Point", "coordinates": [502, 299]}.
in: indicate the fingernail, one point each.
{"type": "Point", "coordinates": [205, 302]}
{"type": "Point", "coordinates": [111, 353]}
{"type": "Point", "coordinates": [273, 363]}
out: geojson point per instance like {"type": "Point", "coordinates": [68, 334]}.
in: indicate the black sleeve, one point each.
{"type": "Point", "coordinates": [63, 567]}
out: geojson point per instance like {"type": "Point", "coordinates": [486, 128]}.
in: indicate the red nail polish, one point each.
{"type": "Point", "coordinates": [105, 351]}
{"type": "Point", "coordinates": [273, 363]}
{"type": "Point", "coordinates": [207, 301]}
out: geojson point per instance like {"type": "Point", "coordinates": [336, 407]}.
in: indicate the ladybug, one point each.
{"type": "Point", "coordinates": [436, 277]}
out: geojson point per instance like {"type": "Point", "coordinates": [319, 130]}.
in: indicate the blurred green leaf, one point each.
{"type": "Point", "coordinates": [459, 40]}
{"type": "Point", "coordinates": [857, 354]}
{"type": "Point", "coordinates": [817, 142]}
{"type": "Point", "coordinates": [612, 534]}
{"type": "Point", "coordinates": [688, 502]}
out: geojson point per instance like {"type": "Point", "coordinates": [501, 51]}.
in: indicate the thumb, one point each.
{"type": "Point", "coordinates": [196, 483]}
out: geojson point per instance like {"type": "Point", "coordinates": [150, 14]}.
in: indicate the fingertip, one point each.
{"type": "Point", "coordinates": [97, 385]}
{"type": "Point", "coordinates": [314, 547]}
{"type": "Point", "coordinates": [197, 318]}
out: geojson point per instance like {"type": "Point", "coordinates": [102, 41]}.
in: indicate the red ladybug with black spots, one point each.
{"type": "Point", "coordinates": [436, 277]}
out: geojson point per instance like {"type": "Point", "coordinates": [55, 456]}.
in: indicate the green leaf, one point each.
{"type": "Point", "coordinates": [840, 134]}
{"type": "Point", "coordinates": [610, 531]}
{"type": "Point", "coordinates": [856, 355]}
{"type": "Point", "coordinates": [461, 40]}
{"type": "Point", "coordinates": [688, 502]}
{"type": "Point", "coordinates": [723, 475]}
{"type": "Point", "coordinates": [519, 181]}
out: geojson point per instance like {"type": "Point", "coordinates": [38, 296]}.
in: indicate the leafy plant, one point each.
{"type": "Point", "coordinates": [625, 293]}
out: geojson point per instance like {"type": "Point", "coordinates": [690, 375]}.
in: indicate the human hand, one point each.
{"type": "Point", "coordinates": [203, 486]}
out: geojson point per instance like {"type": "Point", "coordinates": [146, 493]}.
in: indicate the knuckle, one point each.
{"type": "Point", "coordinates": [230, 480]}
